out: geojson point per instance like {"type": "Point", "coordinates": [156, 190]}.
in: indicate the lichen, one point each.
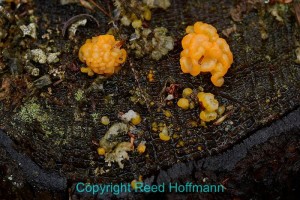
{"type": "Point", "coordinates": [38, 55]}
{"type": "Point", "coordinates": [155, 43]}
{"type": "Point", "coordinates": [109, 141]}
{"type": "Point", "coordinates": [115, 151]}
{"type": "Point", "coordinates": [164, 4]}
{"type": "Point", "coordinates": [53, 57]}
{"type": "Point", "coordinates": [29, 30]}
{"type": "Point", "coordinates": [119, 154]}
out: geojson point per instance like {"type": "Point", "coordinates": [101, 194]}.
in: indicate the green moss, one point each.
{"type": "Point", "coordinates": [31, 111]}
{"type": "Point", "coordinates": [95, 117]}
{"type": "Point", "coordinates": [79, 95]}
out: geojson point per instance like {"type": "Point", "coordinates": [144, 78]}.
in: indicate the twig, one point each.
{"type": "Point", "coordinates": [296, 5]}
{"type": "Point", "coordinates": [165, 86]}
{"type": "Point", "coordinates": [109, 9]}
{"type": "Point", "coordinates": [100, 8]}
{"type": "Point", "coordinates": [76, 18]}
{"type": "Point", "coordinates": [163, 90]}
{"type": "Point", "coordinates": [221, 119]}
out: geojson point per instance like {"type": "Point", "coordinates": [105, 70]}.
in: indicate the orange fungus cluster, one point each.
{"type": "Point", "coordinates": [102, 55]}
{"type": "Point", "coordinates": [204, 51]}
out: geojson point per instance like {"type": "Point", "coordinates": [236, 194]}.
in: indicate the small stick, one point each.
{"type": "Point", "coordinates": [100, 8]}
{"type": "Point", "coordinates": [297, 10]}
{"type": "Point", "coordinates": [221, 119]}
{"type": "Point", "coordinates": [76, 18]}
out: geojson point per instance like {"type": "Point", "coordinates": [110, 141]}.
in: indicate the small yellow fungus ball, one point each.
{"type": "Point", "coordinates": [136, 119]}
{"type": "Point", "coordinates": [210, 105]}
{"type": "Point", "coordinates": [221, 110]}
{"type": "Point", "coordinates": [147, 14]}
{"type": "Point", "coordinates": [137, 23]}
{"type": "Point", "coordinates": [102, 55]}
{"type": "Point", "coordinates": [187, 92]}
{"type": "Point", "coordinates": [141, 147]}
{"type": "Point", "coordinates": [180, 143]}
{"type": "Point", "coordinates": [183, 103]}
{"type": "Point", "coordinates": [154, 126]}
{"type": "Point", "coordinates": [105, 120]}
{"type": "Point", "coordinates": [87, 70]}
{"type": "Point", "coordinates": [192, 105]}
{"type": "Point", "coordinates": [167, 113]}
{"type": "Point", "coordinates": [134, 182]}
{"type": "Point", "coordinates": [208, 116]}
{"type": "Point", "coordinates": [208, 101]}
{"type": "Point", "coordinates": [164, 137]}
{"type": "Point", "coordinates": [164, 134]}
{"type": "Point", "coordinates": [204, 51]}
{"type": "Point", "coordinates": [101, 151]}
{"type": "Point", "coordinates": [150, 76]}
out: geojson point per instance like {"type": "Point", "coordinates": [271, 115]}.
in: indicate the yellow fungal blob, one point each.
{"type": "Point", "coordinates": [101, 151]}
{"type": "Point", "coordinates": [105, 120]}
{"type": "Point", "coordinates": [134, 182]}
{"type": "Point", "coordinates": [187, 92]}
{"type": "Point", "coordinates": [205, 51]}
{"type": "Point", "coordinates": [183, 103]}
{"type": "Point", "coordinates": [150, 76]}
{"type": "Point", "coordinates": [164, 137]}
{"type": "Point", "coordinates": [137, 23]}
{"type": "Point", "coordinates": [167, 113]}
{"type": "Point", "coordinates": [210, 105]}
{"type": "Point", "coordinates": [141, 147]}
{"type": "Point", "coordinates": [102, 55]}
{"type": "Point", "coordinates": [136, 119]}
{"type": "Point", "coordinates": [147, 14]}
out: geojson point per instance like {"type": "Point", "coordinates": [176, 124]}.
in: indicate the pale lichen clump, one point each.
{"type": "Point", "coordinates": [108, 142]}
{"type": "Point", "coordinates": [119, 154]}
{"type": "Point", "coordinates": [164, 4]}
{"type": "Point", "coordinates": [205, 51]}
{"type": "Point", "coordinates": [40, 56]}
{"type": "Point", "coordinates": [154, 42]}
{"type": "Point", "coordinates": [111, 148]}
{"type": "Point", "coordinates": [134, 12]}
{"type": "Point", "coordinates": [29, 30]}
{"type": "Point", "coordinates": [102, 55]}
{"type": "Point", "coordinates": [210, 105]}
